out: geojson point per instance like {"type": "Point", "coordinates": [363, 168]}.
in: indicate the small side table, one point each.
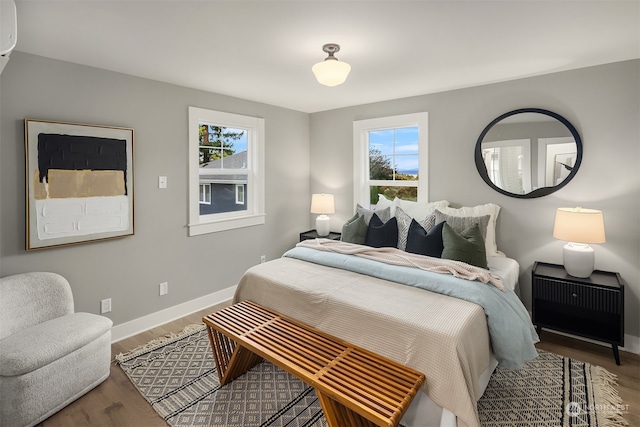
{"type": "Point", "coordinates": [312, 234]}
{"type": "Point", "coordinates": [592, 307]}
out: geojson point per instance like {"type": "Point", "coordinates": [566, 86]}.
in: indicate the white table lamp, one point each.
{"type": "Point", "coordinates": [579, 227]}
{"type": "Point", "coordinates": [322, 204]}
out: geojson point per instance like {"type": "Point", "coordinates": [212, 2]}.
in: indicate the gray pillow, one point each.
{"type": "Point", "coordinates": [460, 223]}
{"type": "Point", "coordinates": [404, 222]}
{"type": "Point", "coordinates": [466, 246]}
{"type": "Point", "coordinates": [383, 214]}
{"type": "Point", "coordinates": [355, 230]}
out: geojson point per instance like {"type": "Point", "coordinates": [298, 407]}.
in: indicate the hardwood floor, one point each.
{"type": "Point", "coordinates": [117, 403]}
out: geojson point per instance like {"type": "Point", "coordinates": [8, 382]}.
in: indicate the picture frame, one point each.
{"type": "Point", "coordinates": [79, 183]}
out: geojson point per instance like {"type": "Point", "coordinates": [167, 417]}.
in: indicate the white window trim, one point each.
{"type": "Point", "coordinates": [361, 181]}
{"type": "Point", "coordinates": [255, 213]}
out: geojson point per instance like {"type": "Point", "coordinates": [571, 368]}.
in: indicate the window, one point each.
{"type": "Point", "coordinates": [390, 158]}
{"type": "Point", "coordinates": [226, 171]}
{"type": "Point", "coordinates": [205, 194]}
{"type": "Point", "coordinates": [240, 194]}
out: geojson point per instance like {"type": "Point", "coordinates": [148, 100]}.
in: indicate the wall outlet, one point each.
{"type": "Point", "coordinates": [164, 288]}
{"type": "Point", "coordinates": [162, 182]}
{"type": "Point", "coordinates": [263, 258]}
{"type": "Point", "coordinates": [105, 305]}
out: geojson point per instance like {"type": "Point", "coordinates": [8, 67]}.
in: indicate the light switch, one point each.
{"type": "Point", "coordinates": [162, 182]}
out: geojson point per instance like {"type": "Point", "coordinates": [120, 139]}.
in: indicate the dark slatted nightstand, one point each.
{"type": "Point", "coordinates": [312, 234]}
{"type": "Point", "coordinates": [592, 307]}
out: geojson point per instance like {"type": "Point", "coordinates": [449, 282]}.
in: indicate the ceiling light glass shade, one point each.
{"type": "Point", "coordinates": [331, 72]}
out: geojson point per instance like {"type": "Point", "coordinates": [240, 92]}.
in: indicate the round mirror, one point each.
{"type": "Point", "coordinates": [528, 153]}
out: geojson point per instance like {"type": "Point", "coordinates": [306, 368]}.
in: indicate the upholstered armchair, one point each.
{"type": "Point", "coordinates": [49, 355]}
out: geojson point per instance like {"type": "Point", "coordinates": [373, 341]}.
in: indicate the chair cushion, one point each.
{"type": "Point", "coordinates": [41, 344]}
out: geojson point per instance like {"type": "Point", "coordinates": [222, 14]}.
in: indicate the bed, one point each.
{"type": "Point", "coordinates": [452, 321]}
{"type": "Point", "coordinates": [445, 337]}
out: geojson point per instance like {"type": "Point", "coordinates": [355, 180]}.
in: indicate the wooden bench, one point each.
{"type": "Point", "coordinates": [355, 386]}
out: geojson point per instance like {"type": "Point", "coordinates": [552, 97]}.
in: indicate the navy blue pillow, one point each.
{"type": "Point", "coordinates": [423, 242]}
{"type": "Point", "coordinates": [382, 234]}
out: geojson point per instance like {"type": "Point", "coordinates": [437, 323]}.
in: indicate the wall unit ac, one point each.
{"type": "Point", "coordinates": [8, 30]}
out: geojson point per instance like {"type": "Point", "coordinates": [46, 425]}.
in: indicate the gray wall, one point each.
{"type": "Point", "coordinates": [602, 102]}
{"type": "Point", "coordinates": [129, 270]}
{"type": "Point", "coordinates": [309, 153]}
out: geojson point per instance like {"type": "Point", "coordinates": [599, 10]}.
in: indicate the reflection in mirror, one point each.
{"type": "Point", "coordinates": [528, 153]}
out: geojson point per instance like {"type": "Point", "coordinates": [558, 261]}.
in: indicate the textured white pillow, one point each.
{"type": "Point", "coordinates": [488, 209]}
{"type": "Point", "coordinates": [383, 202]}
{"type": "Point", "coordinates": [384, 214]}
{"type": "Point", "coordinates": [420, 210]}
{"type": "Point", "coordinates": [404, 222]}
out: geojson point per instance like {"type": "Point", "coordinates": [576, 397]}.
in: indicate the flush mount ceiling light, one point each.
{"type": "Point", "coordinates": [331, 72]}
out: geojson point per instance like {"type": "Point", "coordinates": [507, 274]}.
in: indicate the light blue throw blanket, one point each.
{"type": "Point", "coordinates": [512, 333]}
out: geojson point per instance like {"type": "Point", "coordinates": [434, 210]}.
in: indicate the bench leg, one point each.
{"type": "Point", "coordinates": [232, 360]}
{"type": "Point", "coordinates": [338, 415]}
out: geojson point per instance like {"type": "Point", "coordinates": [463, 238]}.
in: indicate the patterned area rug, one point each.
{"type": "Point", "coordinates": [177, 376]}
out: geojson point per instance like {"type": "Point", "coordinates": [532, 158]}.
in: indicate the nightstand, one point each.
{"type": "Point", "coordinates": [592, 307]}
{"type": "Point", "coordinates": [312, 234]}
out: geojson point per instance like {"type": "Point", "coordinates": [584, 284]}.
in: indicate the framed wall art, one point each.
{"type": "Point", "coordinates": [79, 182]}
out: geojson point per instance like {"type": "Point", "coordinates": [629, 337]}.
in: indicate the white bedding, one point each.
{"type": "Point", "coordinates": [506, 269]}
{"type": "Point", "coordinates": [423, 412]}
{"type": "Point", "coordinates": [444, 337]}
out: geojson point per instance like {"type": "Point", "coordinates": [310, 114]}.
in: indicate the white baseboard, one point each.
{"type": "Point", "coordinates": [632, 344]}
{"type": "Point", "coordinates": [144, 323]}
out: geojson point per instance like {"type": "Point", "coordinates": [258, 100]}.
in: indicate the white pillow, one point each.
{"type": "Point", "coordinates": [489, 209]}
{"type": "Point", "coordinates": [420, 210]}
{"type": "Point", "coordinates": [383, 202]}
{"type": "Point", "coordinates": [384, 214]}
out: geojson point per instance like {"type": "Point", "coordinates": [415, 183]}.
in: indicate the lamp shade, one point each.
{"type": "Point", "coordinates": [331, 72]}
{"type": "Point", "coordinates": [322, 204]}
{"type": "Point", "coordinates": [579, 225]}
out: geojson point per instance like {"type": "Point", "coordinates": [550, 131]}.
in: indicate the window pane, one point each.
{"type": "Point", "coordinates": [406, 140]}
{"type": "Point", "coordinates": [222, 147]}
{"type": "Point", "coordinates": [380, 167]}
{"type": "Point", "coordinates": [407, 167]}
{"type": "Point", "coordinates": [382, 141]}
{"type": "Point", "coordinates": [393, 154]}
{"type": "Point", "coordinates": [223, 198]}
{"type": "Point", "coordinates": [391, 192]}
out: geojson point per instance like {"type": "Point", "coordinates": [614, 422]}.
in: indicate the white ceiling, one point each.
{"type": "Point", "coordinates": [263, 50]}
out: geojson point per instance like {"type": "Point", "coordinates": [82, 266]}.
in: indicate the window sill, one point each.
{"type": "Point", "coordinates": [225, 224]}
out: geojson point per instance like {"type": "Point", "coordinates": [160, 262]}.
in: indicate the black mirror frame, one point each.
{"type": "Point", "coordinates": [540, 192]}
